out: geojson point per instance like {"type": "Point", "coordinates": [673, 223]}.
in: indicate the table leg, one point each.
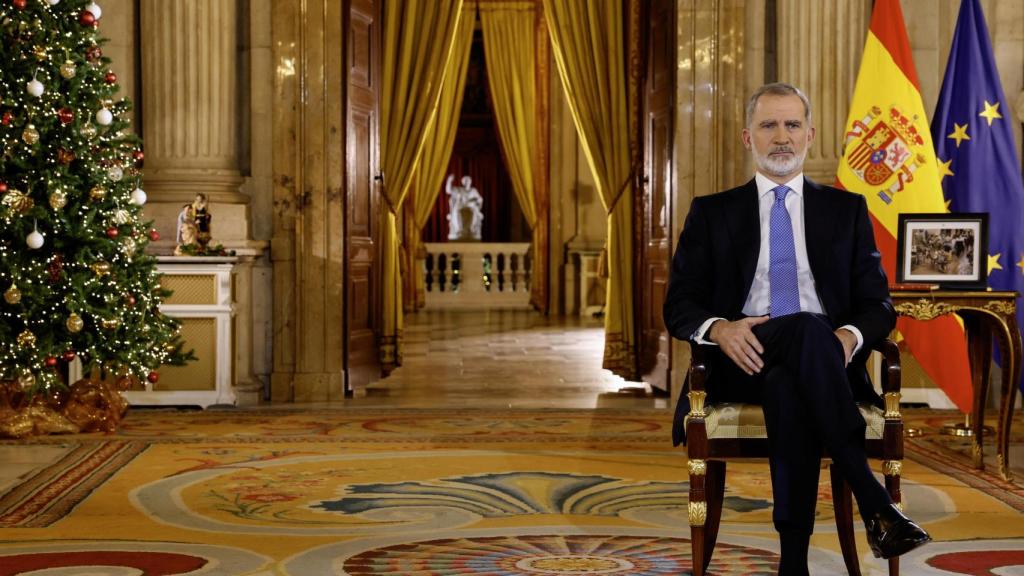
{"type": "Point", "coordinates": [1010, 355]}
{"type": "Point", "coordinates": [979, 346]}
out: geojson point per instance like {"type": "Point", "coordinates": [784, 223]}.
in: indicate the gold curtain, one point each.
{"type": "Point", "coordinates": [510, 52]}
{"type": "Point", "coordinates": [508, 29]}
{"type": "Point", "coordinates": [590, 48]}
{"type": "Point", "coordinates": [440, 139]}
{"type": "Point", "coordinates": [418, 39]}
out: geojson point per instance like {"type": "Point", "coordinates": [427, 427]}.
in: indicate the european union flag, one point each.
{"type": "Point", "coordinates": [976, 151]}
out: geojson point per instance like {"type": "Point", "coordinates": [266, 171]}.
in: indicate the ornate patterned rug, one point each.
{"type": "Point", "coordinates": [445, 492]}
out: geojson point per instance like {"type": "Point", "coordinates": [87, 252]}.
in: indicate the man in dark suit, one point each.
{"type": "Point", "coordinates": [781, 279]}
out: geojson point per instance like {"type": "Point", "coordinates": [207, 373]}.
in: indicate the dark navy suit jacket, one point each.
{"type": "Point", "coordinates": [715, 259]}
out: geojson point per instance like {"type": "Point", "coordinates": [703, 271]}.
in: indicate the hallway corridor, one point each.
{"type": "Point", "coordinates": [504, 359]}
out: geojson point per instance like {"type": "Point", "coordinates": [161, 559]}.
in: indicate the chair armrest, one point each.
{"type": "Point", "coordinates": [698, 367]}
{"type": "Point", "coordinates": [891, 369]}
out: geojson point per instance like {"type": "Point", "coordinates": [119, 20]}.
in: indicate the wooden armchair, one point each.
{"type": "Point", "coordinates": [718, 432]}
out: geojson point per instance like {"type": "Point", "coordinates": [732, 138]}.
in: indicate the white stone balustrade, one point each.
{"type": "Point", "coordinates": [477, 275]}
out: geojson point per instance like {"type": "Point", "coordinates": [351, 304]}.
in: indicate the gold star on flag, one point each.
{"type": "Point", "coordinates": [944, 169]}
{"type": "Point", "coordinates": [993, 263]}
{"type": "Point", "coordinates": [991, 112]}
{"type": "Point", "coordinates": [1021, 264]}
{"type": "Point", "coordinates": [959, 133]}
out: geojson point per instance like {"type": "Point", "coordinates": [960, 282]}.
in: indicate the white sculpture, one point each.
{"type": "Point", "coordinates": [465, 215]}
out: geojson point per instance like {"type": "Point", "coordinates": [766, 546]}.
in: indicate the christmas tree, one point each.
{"type": "Point", "coordinates": [75, 277]}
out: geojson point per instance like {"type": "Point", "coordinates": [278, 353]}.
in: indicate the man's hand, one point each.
{"type": "Point", "coordinates": [849, 342]}
{"type": "Point", "coordinates": [739, 343]}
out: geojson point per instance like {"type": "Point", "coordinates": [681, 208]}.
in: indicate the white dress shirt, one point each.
{"type": "Point", "coordinates": [759, 298]}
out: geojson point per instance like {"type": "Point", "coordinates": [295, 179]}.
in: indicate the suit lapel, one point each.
{"type": "Point", "coordinates": [819, 226]}
{"type": "Point", "coordinates": [745, 230]}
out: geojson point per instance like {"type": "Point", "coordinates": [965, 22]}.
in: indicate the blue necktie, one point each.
{"type": "Point", "coordinates": [782, 282]}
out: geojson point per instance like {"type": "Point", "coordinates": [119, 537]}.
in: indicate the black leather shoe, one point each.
{"type": "Point", "coordinates": [892, 534]}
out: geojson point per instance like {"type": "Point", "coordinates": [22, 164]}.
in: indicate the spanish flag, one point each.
{"type": "Point", "coordinates": [888, 157]}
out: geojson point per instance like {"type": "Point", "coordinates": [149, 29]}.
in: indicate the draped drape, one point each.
{"type": "Point", "coordinates": [418, 40]}
{"type": "Point", "coordinates": [590, 48]}
{"type": "Point", "coordinates": [510, 54]}
{"type": "Point", "coordinates": [440, 138]}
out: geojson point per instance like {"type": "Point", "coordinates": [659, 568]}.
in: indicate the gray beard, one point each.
{"type": "Point", "coordinates": [778, 167]}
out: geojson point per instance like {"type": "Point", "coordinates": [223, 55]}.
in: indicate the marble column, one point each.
{"type": "Point", "coordinates": [190, 114]}
{"type": "Point", "coordinates": [819, 48]}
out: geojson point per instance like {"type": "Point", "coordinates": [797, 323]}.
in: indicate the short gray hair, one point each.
{"type": "Point", "coordinates": [778, 89]}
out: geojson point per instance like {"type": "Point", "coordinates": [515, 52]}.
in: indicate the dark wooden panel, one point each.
{"type": "Point", "coordinates": [362, 203]}
{"type": "Point", "coordinates": [655, 198]}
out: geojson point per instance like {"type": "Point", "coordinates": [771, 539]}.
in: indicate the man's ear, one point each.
{"type": "Point", "coordinates": [745, 136]}
{"type": "Point", "coordinates": [810, 135]}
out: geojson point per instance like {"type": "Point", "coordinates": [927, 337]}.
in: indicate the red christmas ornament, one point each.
{"type": "Point", "coordinates": [66, 115]}
{"type": "Point", "coordinates": [51, 361]}
{"type": "Point", "coordinates": [19, 4]}
{"type": "Point", "coordinates": [154, 235]}
{"type": "Point", "coordinates": [130, 300]}
{"type": "Point", "coordinates": [68, 355]}
{"type": "Point", "coordinates": [153, 377]}
{"type": "Point", "coordinates": [55, 267]}
{"type": "Point", "coordinates": [65, 157]}
{"type": "Point", "coordinates": [110, 78]}
{"type": "Point", "coordinates": [112, 232]}
{"type": "Point", "coordinates": [86, 18]}
{"type": "Point", "coordinates": [7, 118]}
{"type": "Point", "coordinates": [139, 156]}
{"type": "Point", "coordinates": [94, 53]}
{"type": "Point", "coordinates": [3, 187]}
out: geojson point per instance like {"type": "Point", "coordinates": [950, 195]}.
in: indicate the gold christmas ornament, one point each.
{"type": "Point", "coordinates": [128, 247]}
{"type": "Point", "coordinates": [109, 323]}
{"type": "Point", "coordinates": [12, 295]}
{"type": "Point", "coordinates": [58, 200]}
{"type": "Point", "coordinates": [74, 323]}
{"type": "Point", "coordinates": [88, 131]}
{"type": "Point", "coordinates": [27, 380]}
{"type": "Point", "coordinates": [17, 201]}
{"type": "Point", "coordinates": [98, 193]}
{"type": "Point", "coordinates": [101, 268]}
{"type": "Point", "coordinates": [27, 339]}
{"type": "Point", "coordinates": [30, 135]}
{"type": "Point", "coordinates": [40, 52]}
{"type": "Point", "coordinates": [67, 69]}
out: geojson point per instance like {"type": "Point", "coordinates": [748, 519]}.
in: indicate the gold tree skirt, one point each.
{"type": "Point", "coordinates": [86, 406]}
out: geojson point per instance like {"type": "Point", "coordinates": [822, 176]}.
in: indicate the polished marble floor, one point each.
{"type": "Point", "coordinates": [505, 358]}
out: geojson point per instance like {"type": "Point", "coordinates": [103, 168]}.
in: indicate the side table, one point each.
{"type": "Point", "coordinates": [985, 314]}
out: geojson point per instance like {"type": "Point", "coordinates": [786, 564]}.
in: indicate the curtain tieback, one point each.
{"type": "Point", "coordinates": [622, 189]}
{"type": "Point", "coordinates": [602, 260]}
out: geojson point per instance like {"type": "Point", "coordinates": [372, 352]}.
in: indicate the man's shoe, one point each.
{"type": "Point", "coordinates": [892, 534]}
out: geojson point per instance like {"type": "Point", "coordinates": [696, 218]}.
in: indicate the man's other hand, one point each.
{"type": "Point", "coordinates": [739, 343]}
{"type": "Point", "coordinates": [849, 342]}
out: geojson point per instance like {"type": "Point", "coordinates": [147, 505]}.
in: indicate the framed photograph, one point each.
{"type": "Point", "coordinates": [950, 250]}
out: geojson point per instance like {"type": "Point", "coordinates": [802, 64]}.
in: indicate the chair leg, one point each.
{"type": "Point", "coordinates": [714, 489]}
{"type": "Point", "coordinates": [707, 489]}
{"type": "Point", "coordinates": [892, 470]}
{"type": "Point", "coordinates": [842, 503]}
{"type": "Point", "coordinates": [697, 512]}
